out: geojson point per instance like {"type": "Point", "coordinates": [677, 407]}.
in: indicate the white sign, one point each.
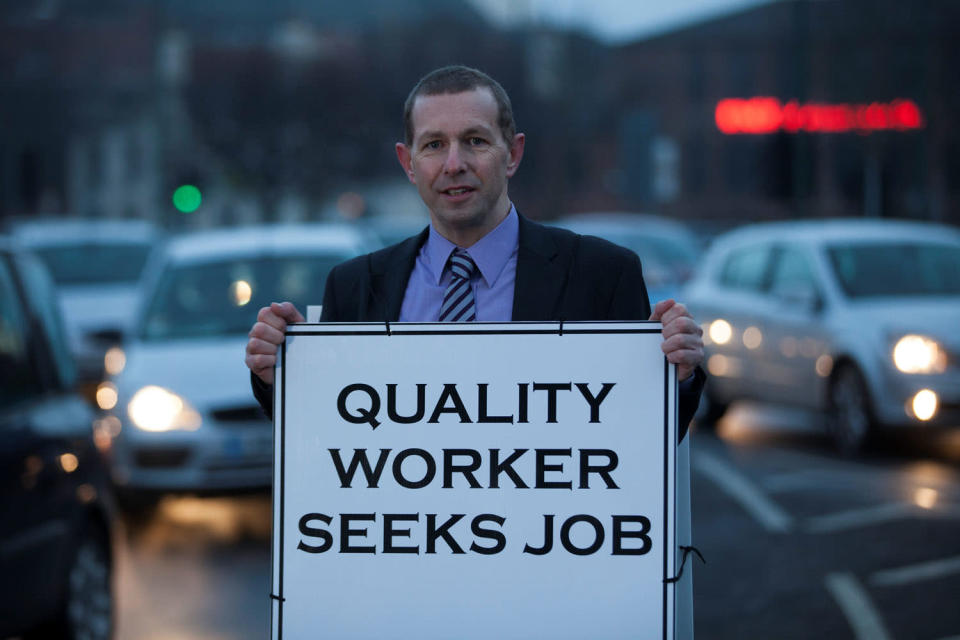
{"type": "Point", "coordinates": [474, 480]}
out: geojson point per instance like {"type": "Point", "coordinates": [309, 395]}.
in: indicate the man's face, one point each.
{"type": "Point", "coordinates": [460, 162]}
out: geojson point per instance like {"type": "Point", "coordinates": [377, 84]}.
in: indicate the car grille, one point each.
{"type": "Point", "coordinates": [251, 413]}
{"type": "Point", "coordinates": [161, 458]}
{"type": "Point", "coordinates": [262, 463]}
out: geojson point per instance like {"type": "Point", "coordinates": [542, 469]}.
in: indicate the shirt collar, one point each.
{"type": "Point", "coordinates": [490, 253]}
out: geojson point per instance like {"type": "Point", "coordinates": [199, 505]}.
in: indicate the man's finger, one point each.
{"type": "Point", "coordinates": [677, 310]}
{"type": "Point", "coordinates": [258, 346]}
{"type": "Point", "coordinates": [267, 333]}
{"type": "Point", "coordinates": [682, 341]}
{"type": "Point", "coordinates": [682, 325]}
{"type": "Point", "coordinates": [261, 366]}
{"type": "Point", "coordinates": [660, 308]}
{"type": "Point", "coordinates": [268, 316]}
{"type": "Point", "coordinates": [686, 359]}
{"type": "Point", "coordinates": [287, 311]}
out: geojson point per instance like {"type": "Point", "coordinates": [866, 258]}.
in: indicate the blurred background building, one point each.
{"type": "Point", "coordinates": [287, 110]}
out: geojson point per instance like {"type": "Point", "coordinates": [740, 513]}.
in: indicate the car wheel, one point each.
{"type": "Point", "coordinates": [849, 418]}
{"type": "Point", "coordinates": [88, 605]}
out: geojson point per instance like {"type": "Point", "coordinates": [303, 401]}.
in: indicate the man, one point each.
{"type": "Point", "coordinates": [479, 259]}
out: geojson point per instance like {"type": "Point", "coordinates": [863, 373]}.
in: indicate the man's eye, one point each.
{"type": "Point", "coordinates": [433, 145]}
{"type": "Point", "coordinates": [477, 141]}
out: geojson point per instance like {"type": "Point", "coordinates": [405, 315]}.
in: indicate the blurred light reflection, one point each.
{"type": "Point", "coordinates": [114, 361]}
{"type": "Point", "coordinates": [241, 292]}
{"type": "Point", "coordinates": [720, 331]}
{"type": "Point", "coordinates": [925, 404]}
{"type": "Point", "coordinates": [68, 462]}
{"type": "Point", "coordinates": [925, 497]}
{"type": "Point", "coordinates": [227, 519]}
{"type": "Point", "coordinates": [106, 396]}
{"type": "Point", "coordinates": [752, 337]}
{"type": "Point", "coordinates": [789, 347]}
{"type": "Point", "coordinates": [718, 365]}
{"type": "Point", "coordinates": [824, 365]}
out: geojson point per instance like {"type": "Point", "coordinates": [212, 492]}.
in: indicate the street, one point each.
{"type": "Point", "coordinates": [197, 568]}
{"type": "Point", "coordinates": [802, 543]}
{"type": "Point", "coordinates": [799, 542]}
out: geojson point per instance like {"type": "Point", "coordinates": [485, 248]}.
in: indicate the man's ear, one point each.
{"type": "Point", "coordinates": [516, 154]}
{"type": "Point", "coordinates": [406, 161]}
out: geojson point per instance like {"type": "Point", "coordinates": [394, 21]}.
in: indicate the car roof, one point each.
{"type": "Point", "coordinates": [280, 239]}
{"type": "Point", "coordinates": [842, 230]}
{"type": "Point", "coordinates": [621, 220]}
{"type": "Point", "coordinates": [44, 232]}
{"type": "Point", "coordinates": [9, 244]}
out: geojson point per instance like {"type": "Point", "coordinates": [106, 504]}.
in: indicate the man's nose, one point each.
{"type": "Point", "coordinates": [455, 161]}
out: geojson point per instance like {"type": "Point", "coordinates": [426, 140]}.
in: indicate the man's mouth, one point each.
{"type": "Point", "coordinates": [457, 191]}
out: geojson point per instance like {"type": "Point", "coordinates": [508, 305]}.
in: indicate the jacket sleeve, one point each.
{"type": "Point", "coordinates": [630, 299]}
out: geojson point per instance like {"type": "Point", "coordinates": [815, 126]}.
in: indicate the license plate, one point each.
{"type": "Point", "coordinates": [240, 445]}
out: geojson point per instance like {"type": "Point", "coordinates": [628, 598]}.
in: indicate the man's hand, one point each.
{"type": "Point", "coordinates": [266, 335]}
{"type": "Point", "coordinates": [682, 336]}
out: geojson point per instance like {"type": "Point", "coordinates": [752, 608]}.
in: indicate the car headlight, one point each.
{"type": "Point", "coordinates": [158, 409]}
{"type": "Point", "coordinates": [720, 331]}
{"type": "Point", "coordinates": [919, 354]}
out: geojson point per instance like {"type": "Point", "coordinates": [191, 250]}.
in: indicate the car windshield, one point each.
{"type": "Point", "coordinates": [897, 269]}
{"type": "Point", "coordinates": [222, 298]}
{"type": "Point", "coordinates": [673, 252]}
{"type": "Point", "coordinates": [95, 262]}
{"type": "Point", "coordinates": [664, 256]}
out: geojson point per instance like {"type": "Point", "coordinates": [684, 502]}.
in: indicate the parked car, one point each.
{"type": "Point", "coordinates": [56, 505]}
{"type": "Point", "coordinates": [390, 230]}
{"type": "Point", "coordinates": [856, 318]}
{"type": "Point", "coordinates": [183, 412]}
{"type": "Point", "coordinates": [668, 250]}
{"type": "Point", "coordinates": [96, 265]}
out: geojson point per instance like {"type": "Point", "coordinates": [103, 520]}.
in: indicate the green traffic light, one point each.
{"type": "Point", "coordinates": [187, 198]}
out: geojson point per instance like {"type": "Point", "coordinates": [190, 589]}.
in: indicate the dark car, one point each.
{"type": "Point", "coordinates": [56, 507]}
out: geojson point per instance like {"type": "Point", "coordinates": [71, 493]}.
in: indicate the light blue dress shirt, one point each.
{"type": "Point", "coordinates": [496, 257]}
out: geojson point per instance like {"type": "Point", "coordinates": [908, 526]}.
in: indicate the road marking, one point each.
{"type": "Point", "coordinates": [857, 607]}
{"type": "Point", "coordinates": [916, 572]}
{"type": "Point", "coordinates": [737, 486]}
{"type": "Point", "coordinates": [856, 518]}
{"type": "Point", "coordinates": [819, 479]}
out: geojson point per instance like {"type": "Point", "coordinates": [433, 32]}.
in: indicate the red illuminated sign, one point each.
{"type": "Point", "coordinates": [769, 115]}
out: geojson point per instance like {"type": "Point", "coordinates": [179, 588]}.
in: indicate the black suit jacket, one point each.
{"type": "Point", "coordinates": [561, 276]}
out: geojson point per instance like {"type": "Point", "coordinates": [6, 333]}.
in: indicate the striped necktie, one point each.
{"type": "Point", "coordinates": [458, 304]}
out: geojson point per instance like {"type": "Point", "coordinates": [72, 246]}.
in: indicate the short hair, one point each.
{"type": "Point", "coordinates": [458, 79]}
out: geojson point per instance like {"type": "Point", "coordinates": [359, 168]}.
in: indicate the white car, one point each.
{"type": "Point", "coordinates": [181, 410]}
{"type": "Point", "coordinates": [96, 265]}
{"type": "Point", "coordinates": [857, 318]}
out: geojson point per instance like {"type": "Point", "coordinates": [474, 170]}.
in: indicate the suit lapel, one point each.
{"type": "Point", "coordinates": [388, 279]}
{"type": "Point", "coordinates": [541, 274]}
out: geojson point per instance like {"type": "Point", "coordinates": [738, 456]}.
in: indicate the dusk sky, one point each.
{"type": "Point", "coordinates": [611, 20]}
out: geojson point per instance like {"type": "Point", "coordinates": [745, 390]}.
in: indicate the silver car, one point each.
{"type": "Point", "coordinates": [181, 412]}
{"type": "Point", "coordinates": [668, 250]}
{"type": "Point", "coordinates": [857, 318]}
{"type": "Point", "coordinates": [96, 265]}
